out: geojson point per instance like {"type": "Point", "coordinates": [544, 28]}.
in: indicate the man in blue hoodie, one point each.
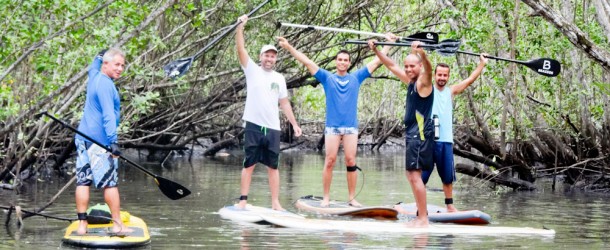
{"type": "Point", "coordinates": [94, 165]}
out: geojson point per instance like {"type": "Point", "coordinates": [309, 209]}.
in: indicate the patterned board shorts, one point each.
{"type": "Point", "coordinates": [340, 131]}
{"type": "Point", "coordinates": [95, 166]}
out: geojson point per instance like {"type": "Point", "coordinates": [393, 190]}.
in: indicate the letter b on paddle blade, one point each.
{"type": "Point", "coordinates": [545, 66]}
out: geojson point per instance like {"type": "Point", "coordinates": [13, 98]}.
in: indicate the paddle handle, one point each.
{"type": "Point", "coordinates": [230, 29]}
{"type": "Point", "coordinates": [96, 142]}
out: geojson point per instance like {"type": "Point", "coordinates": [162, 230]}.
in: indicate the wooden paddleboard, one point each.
{"type": "Point", "coordinates": [312, 204]}
{"type": "Point", "coordinates": [100, 236]}
{"type": "Point", "coordinates": [362, 226]}
{"type": "Point", "coordinates": [251, 213]}
{"type": "Point", "coordinates": [440, 214]}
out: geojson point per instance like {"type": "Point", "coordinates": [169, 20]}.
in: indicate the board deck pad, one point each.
{"type": "Point", "coordinates": [368, 226]}
{"type": "Point", "coordinates": [107, 232]}
{"type": "Point", "coordinates": [101, 236]}
{"type": "Point", "coordinates": [312, 203]}
{"type": "Point", "coordinates": [440, 214]}
{"type": "Point", "coordinates": [250, 214]}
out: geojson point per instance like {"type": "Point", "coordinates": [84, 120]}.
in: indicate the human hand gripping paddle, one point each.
{"type": "Point", "coordinates": [544, 66]}
{"type": "Point", "coordinates": [169, 188]}
{"type": "Point", "coordinates": [427, 37]}
{"type": "Point", "coordinates": [181, 66]}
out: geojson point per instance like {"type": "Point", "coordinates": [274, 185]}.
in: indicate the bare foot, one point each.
{"type": "Point", "coordinates": [82, 227]}
{"type": "Point", "coordinates": [401, 210]}
{"type": "Point", "coordinates": [325, 202]}
{"type": "Point", "coordinates": [242, 204]}
{"type": "Point", "coordinates": [417, 222]}
{"type": "Point", "coordinates": [277, 206]}
{"type": "Point", "coordinates": [451, 208]}
{"type": "Point", "coordinates": [355, 203]}
{"type": "Point", "coordinates": [121, 229]}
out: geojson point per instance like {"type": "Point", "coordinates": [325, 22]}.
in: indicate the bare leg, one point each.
{"type": "Point", "coordinates": [246, 178]}
{"type": "Point", "coordinates": [82, 202]}
{"type": "Point", "coordinates": [274, 186]}
{"type": "Point", "coordinates": [448, 190]}
{"type": "Point", "coordinates": [419, 192]}
{"type": "Point", "coordinates": [350, 148]}
{"type": "Point", "coordinates": [111, 195]}
{"type": "Point", "coordinates": [332, 146]}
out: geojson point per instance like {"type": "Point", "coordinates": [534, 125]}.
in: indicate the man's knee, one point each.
{"type": "Point", "coordinates": [330, 160]}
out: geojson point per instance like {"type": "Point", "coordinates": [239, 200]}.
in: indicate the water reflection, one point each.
{"type": "Point", "coordinates": [192, 222]}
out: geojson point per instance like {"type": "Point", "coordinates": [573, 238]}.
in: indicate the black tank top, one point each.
{"type": "Point", "coordinates": [417, 104]}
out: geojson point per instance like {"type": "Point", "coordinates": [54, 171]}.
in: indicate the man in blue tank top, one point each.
{"type": "Point", "coordinates": [443, 108]}
{"type": "Point", "coordinates": [418, 122]}
{"type": "Point", "coordinates": [94, 165]}
{"type": "Point", "coordinates": [341, 91]}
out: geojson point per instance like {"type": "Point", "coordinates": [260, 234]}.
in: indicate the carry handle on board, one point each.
{"type": "Point", "coordinates": [169, 188]}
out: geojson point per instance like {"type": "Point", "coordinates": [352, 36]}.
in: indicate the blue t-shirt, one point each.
{"type": "Point", "coordinates": [443, 107]}
{"type": "Point", "coordinates": [101, 116]}
{"type": "Point", "coordinates": [342, 96]}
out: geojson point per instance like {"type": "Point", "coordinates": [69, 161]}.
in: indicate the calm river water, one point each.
{"type": "Point", "coordinates": [580, 220]}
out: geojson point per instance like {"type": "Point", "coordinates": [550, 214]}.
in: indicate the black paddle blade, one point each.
{"type": "Point", "coordinates": [448, 47]}
{"type": "Point", "coordinates": [178, 68]}
{"type": "Point", "coordinates": [427, 37]}
{"type": "Point", "coordinates": [544, 66]}
{"type": "Point", "coordinates": [171, 189]}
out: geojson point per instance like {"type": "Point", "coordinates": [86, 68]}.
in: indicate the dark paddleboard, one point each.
{"type": "Point", "coordinates": [312, 204]}
{"type": "Point", "coordinates": [440, 214]}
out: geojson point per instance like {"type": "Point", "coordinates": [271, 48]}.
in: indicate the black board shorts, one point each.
{"type": "Point", "coordinates": [261, 145]}
{"type": "Point", "coordinates": [420, 151]}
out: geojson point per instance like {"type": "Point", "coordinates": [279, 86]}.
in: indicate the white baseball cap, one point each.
{"type": "Point", "coordinates": [267, 48]}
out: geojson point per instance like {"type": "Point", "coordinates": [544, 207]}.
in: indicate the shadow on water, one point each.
{"type": "Point", "coordinates": [192, 222]}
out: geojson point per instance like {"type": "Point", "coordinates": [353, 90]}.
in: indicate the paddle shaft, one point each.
{"type": "Point", "coordinates": [230, 29]}
{"type": "Point", "coordinates": [491, 57]}
{"type": "Point", "coordinates": [394, 44]}
{"type": "Point", "coordinates": [99, 144]}
{"type": "Point", "coordinates": [301, 26]}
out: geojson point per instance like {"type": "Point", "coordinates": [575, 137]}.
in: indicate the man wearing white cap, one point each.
{"type": "Point", "coordinates": [265, 89]}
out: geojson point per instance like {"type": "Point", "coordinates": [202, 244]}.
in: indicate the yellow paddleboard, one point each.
{"type": "Point", "coordinates": [100, 236]}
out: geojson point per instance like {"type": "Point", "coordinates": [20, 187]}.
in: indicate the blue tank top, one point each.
{"type": "Point", "coordinates": [443, 107]}
{"type": "Point", "coordinates": [419, 110]}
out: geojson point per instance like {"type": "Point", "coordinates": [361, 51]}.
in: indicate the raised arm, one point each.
{"type": "Point", "coordinates": [375, 63]}
{"type": "Point", "coordinates": [287, 108]}
{"type": "Point", "coordinates": [240, 41]}
{"type": "Point", "coordinates": [458, 88]}
{"type": "Point", "coordinates": [425, 79]}
{"type": "Point", "coordinates": [389, 63]}
{"type": "Point", "coordinates": [311, 66]}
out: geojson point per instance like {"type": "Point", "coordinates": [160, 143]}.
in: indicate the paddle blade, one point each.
{"type": "Point", "coordinates": [545, 66]}
{"type": "Point", "coordinates": [178, 68]}
{"type": "Point", "coordinates": [427, 37]}
{"type": "Point", "coordinates": [171, 189]}
{"type": "Point", "coordinates": [448, 47]}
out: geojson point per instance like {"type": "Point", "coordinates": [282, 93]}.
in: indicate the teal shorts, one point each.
{"type": "Point", "coordinates": [95, 165]}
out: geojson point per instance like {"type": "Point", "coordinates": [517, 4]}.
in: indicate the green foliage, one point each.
{"type": "Point", "coordinates": [143, 103]}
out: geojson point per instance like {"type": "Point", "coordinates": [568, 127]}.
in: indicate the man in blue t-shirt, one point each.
{"type": "Point", "coordinates": [94, 165]}
{"type": "Point", "coordinates": [443, 108]}
{"type": "Point", "coordinates": [341, 91]}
